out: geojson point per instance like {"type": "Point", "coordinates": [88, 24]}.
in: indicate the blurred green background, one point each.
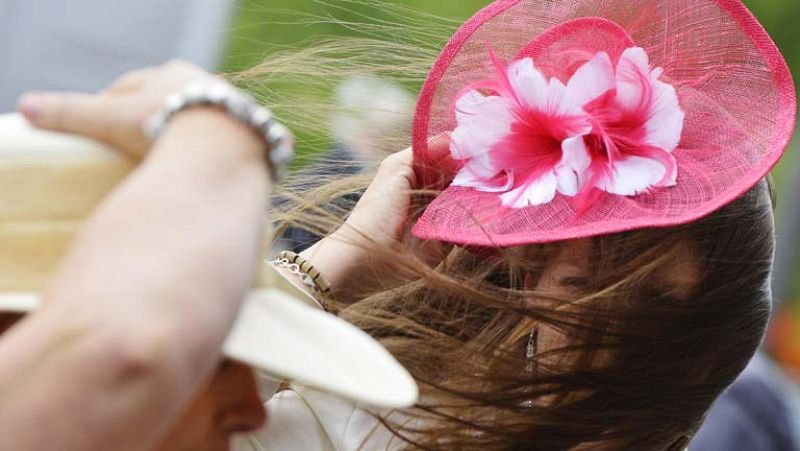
{"type": "Point", "coordinates": [261, 26]}
{"type": "Point", "coordinates": [256, 32]}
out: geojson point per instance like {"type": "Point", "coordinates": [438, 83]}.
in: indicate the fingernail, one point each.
{"type": "Point", "coordinates": [30, 105]}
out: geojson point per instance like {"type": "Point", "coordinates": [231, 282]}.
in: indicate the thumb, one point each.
{"type": "Point", "coordinates": [441, 168]}
{"type": "Point", "coordinates": [104, 118]}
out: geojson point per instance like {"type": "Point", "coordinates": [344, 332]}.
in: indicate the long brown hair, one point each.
{"type": "Point", "coordinates": [657, 325]}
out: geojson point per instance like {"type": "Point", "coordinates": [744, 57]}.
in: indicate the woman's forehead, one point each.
{"type": "Point", "coordinates": [678, 272]}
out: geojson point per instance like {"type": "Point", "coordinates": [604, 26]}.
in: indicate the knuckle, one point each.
{"type": "Point", "coordinates": [398, 162]}
{"type": "Point", "coordinates": [386, 165]}
{"type": "Point", "coordinates": [393, 160]}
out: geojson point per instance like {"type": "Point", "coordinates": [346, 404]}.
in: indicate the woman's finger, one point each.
{"type": "Point", "coordinates": [399, 160]}
{"type": "Point", "coordinates": [81, 114]}
{"type": "Point", "coordinates": [397, 164]}
{"type": "Point", "coordinates": [104, 118]}
{"type": "Point", "coordinates": [440, 158]}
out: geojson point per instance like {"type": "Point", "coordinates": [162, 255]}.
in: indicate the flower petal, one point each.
{"type": "Point", "coordinates": [566, 117]}
{"type": "Point", "coordinates": [568, 182]}
{"type": "Point", "coordinates": [558, 102]}
{"type": "Point", "coordinates": [633, 81]}
{"type": "Point", "coordinates": [592, 80]}
{"type": "Point", "coordinates": [500, 184]}
{"type": "Point", "coordinates": [482, 121]}
{"type": "Point", "coordinates": [529, 85]}
{"type": "Point", "coordinates": [575, 161]}
{"type": "Point", "coordinates": [538, 191]}
{"type": "Point", "coordinates": [576, 154]}
{"type": "Point", "coordinates": [672, 177]}
{"type": "Point", "coordinates": [479, 173]}
{"type": "Point", "coordinates": [632, 175]}
{"type": "Point", "coordinates": [476, 172]}
{"type": "Point", "coordinates": [664, 126]}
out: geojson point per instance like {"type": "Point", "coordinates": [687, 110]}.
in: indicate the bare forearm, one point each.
{"type": "Point", "coordinates": [336, 257]}
{"type": "Point", "coordinates": [135, 316]}
{"type": "Point", "coordinates": [181, 234]}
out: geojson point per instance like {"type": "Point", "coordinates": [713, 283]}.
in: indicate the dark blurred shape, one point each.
{"type": "Point", "coordinates": [757, 413]}
{"type": "Point", "coordinates": [340, 161]}
{"type": "Point", "coordinates": [784, 284]}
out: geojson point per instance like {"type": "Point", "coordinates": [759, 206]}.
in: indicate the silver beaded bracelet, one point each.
{"type": "Point", "coordinates": [240, 106]}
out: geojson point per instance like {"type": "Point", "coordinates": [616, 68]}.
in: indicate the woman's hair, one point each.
{"type": "Point", "coordinates": [659, 324]}
{"type": "Point", "coordinates": [654, 327]}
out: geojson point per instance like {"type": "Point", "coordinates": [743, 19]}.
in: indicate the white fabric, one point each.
{"type": "Point", "coordinates": [283, 336]}
{"type": "Point", "coordinates": [302, 419]}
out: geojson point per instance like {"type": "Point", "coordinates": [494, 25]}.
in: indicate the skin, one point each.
{"type": "Point", "coordinates": [381, 216]}
{"type": "Point", "coordinates": [677, 275]}
{"type": "Point", "coordinates": [119, 347]}
{"type": "Point", "coordinates": [228, 404]}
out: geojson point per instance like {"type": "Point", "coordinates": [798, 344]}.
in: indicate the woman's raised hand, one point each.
{"type": "Point", "coordinates": [115, 116]}
{"type": "Point", "coordinates": [381, 218]}
{"type": "Point", "coordinates": [382, 212]}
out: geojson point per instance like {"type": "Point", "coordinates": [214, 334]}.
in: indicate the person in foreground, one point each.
{"type": "Point", "coordinates": [124, 349]}
{"type": "Point", "coordinates": [118, 347]}
{"type": "Point", "coordinates": [576, 254]}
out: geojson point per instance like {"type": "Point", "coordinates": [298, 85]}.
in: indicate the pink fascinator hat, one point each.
{"type": "Point", "coordinates": [572, 119]}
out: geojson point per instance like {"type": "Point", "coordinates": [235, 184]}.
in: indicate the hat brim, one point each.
{"type": "Point", "coordinates": [284, 337]}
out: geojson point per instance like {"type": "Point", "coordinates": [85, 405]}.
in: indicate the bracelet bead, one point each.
{"type": "Point", "coordinates": [239, 106]}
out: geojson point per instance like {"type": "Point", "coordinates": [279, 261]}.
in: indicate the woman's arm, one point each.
{"type": "Point", "coordinates": [134, 319]}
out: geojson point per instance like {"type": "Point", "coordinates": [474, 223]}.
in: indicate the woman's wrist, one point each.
{"type": "Point", "coordinates": [237, 105]}
{"type": "Point", "coordinates": [337, 257]}
{"type": "Point", "coordinates": [209, 133]}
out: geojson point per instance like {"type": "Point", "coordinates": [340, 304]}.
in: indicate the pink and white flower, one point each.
{"type": "Point", "coordinates": [527, 138]}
